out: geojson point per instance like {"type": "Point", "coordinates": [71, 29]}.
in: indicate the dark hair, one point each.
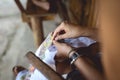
{"type": "Point", "coordinates": [19, 68]}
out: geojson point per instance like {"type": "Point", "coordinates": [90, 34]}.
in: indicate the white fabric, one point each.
{"type": "Point", "coordinates": [37, 75]}
{"type": "Point", "coordinates": [48, 56]}
{"type": "Point", "coordinates": [21, 75]}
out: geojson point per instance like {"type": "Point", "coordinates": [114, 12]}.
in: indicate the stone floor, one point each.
{"type": "Point", "coordinates": [16, 39]}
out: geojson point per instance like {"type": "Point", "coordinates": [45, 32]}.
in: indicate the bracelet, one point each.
{"type": "Point", "coordinates": [74, 57]}
{"type": "Point", "coordinates": [70, 51]}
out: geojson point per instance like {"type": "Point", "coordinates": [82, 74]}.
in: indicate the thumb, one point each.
{"type": "Point", "coordinates": [56, 43]}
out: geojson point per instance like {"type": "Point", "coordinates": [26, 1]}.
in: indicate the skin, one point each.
{"type": "Point", "coordinates": [63, 49]}
{"type": "Point", "coordinates": [87, 69]}
{"type": "Point", "coordinates": [68, 30]}
{"type": "Point", "coordinates": [83, 64]}
{"type": "Point", "coordinates": [63, 67]}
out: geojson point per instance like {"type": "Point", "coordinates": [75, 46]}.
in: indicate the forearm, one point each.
{"type": "Point", "coordinates": [91, 50]}
{"type": "Point", "coordinates": [87, 69]}
{"type": "Point", "coordinates": [91, 33]}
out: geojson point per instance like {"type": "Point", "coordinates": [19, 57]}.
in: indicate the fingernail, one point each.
{"type": "Point", "coordinates": [56, 38]}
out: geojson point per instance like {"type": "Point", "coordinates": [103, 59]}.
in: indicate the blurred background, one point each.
{"type": "Point", "coordinates": [16, 38]}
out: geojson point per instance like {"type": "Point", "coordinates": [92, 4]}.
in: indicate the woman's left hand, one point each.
{"type": "Point", "coordinates": [63, 50]}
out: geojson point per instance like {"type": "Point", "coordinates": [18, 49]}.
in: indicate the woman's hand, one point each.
{"type": "Point", "coordinates": [67, 30]}
{"type": "Point", "coordinates": [63, 50]}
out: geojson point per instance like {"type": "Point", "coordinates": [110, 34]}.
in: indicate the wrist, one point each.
{"type": "Point", "coordinates": [73, 57]}
{"type": "Point", "coordinates": [70, 51]}
{"type": "Point", "coordinates": [70, 54]}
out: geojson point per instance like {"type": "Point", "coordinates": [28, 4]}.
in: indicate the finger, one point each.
{"type": "Point", "coordinates": [59, 37]}
{"type": "Point", "coordinates": [56, 32]}
{"type": "Point", "coordinates": [54, 35]}
{"type": "Point", "coordinates": [56, 43]}
{"type": "Point", "coordinates": [60, 28]}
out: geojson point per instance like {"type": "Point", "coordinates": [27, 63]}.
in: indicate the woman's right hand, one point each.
{"type": "Point", "coordinates": [67, 30]}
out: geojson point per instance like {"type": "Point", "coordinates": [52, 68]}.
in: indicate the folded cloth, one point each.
{"type": "Point", "coordinates": [47, 52]}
